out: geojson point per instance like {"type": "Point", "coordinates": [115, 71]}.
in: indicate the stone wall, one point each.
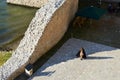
{"type": "Point", "coordinates": [31, 3]}
{"type": "Point", "coordinates": [45, 30]}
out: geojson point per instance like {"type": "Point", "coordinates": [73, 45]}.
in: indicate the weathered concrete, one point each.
{"type": "Point", "coordinates": [102, 63]}
{"type": "Point", "coordinates": [45, 30]}
{"type": "Point", "coordinates": [30, 3]}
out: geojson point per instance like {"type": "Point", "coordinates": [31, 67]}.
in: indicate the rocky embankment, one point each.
{"type": "Point", "coordinates": [6, 49]}
{"type": "Point", "coordinates": [45, 30]}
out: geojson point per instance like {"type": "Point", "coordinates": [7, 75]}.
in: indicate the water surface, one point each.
{"type": "Point", "coordinates": [14, 20]}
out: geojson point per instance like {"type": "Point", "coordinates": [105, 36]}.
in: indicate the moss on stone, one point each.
{"type": "Point", "coordinates": [4, 56]}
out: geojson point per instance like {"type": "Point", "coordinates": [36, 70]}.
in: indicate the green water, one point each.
{"type": "Point", "coordinates": [14, 21]}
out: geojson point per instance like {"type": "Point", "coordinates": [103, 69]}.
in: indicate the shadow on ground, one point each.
{"type": "Point", "coordinates": [68, 52]}
{"type": "Point", "coordinates": [99, 58]}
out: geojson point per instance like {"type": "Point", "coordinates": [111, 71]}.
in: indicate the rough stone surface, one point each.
{"type": "Point", "coordinates": [102, 63]}
{"type": "Point", "coordinates": [31, 3]}
{"type": "Point", "coordinates": [45, 30]}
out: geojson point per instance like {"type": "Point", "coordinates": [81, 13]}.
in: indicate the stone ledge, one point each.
{"type": "Point", "coordinates": [44, 31]}
{"type": "Point", "coordinates": [30, 3]}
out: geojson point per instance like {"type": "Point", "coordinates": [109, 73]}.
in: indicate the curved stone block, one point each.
{"type": "Point", "coordinates": [45, 30]}
{"type": "Point", "coordinates": [30, 3]}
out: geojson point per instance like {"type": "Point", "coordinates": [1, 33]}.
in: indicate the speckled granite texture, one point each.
{"type": "Point", "coordinates": [45, 30]}
{"type": "Point", "coordinates": [30, 3]}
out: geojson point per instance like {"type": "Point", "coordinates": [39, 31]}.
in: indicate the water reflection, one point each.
{"type": "Point", "coordinates": [14, 21]}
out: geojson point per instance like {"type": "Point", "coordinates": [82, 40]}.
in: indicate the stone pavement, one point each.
{"type": "Point", "coordinates": [102, 63]}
